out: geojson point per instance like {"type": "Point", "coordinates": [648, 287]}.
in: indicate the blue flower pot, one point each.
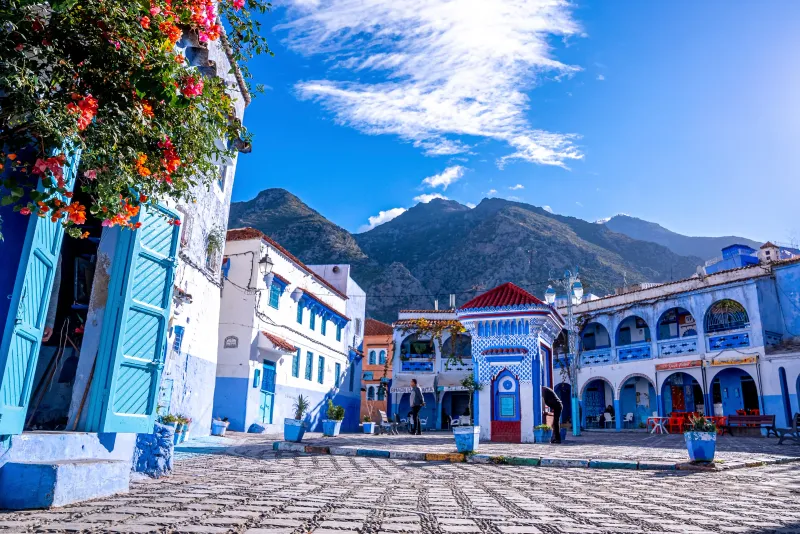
{"type": "Point", "coordinates": [701, 445]}
{"type": "Point", "coordinates": [330, 427]}
{"type": "Point", "coordinates": [293, 430]}
{"type": "Point", "coordinates": [369, 428]}
{"type": "Point", "coordinates": [467, 438]}
{"type": "Point", "coordinates": [218, 427]}
{"type": "Point", "coordinates": [542, 436]}
{"type": "Point", "coordinates": [178, 434]}
{"type": "Point", "coordinates": [563, 435]}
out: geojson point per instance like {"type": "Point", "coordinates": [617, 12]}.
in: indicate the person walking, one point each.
{"type": "Point", "coordinates": [417, 402]}
{"type": "Point", "coordinates": [554, 403]}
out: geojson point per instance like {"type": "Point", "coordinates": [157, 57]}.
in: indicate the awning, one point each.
{"type": "Point", "coordinates": [271, 342]}
{"type": "Point", "coordinates": [451, 381]}
{"type": "Point", "coordinates": [401, 383]}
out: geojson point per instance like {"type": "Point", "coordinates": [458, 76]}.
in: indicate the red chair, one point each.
{"type": "Point", "coordinates": [675, 425]}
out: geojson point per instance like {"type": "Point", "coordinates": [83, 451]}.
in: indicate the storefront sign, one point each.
{"type": "Point", "coordinates": [679, 365]}
{"type": "Point", "coordinates": [734, 361]}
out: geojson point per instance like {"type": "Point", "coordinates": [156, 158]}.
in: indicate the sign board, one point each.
{"type": "Point", "coordinates": [231, 342]}
{"type": "Point", "coordinates": [679, 365]}
{"type": "Point", "coordinates": [734, 360]}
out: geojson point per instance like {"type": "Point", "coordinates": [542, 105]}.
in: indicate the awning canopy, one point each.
{"type": "Point", "coordinates": [451, 381]}
{"type": "Point", "coordinates": [271, 343]}
{"type": "Point", "coordinates": [401, 383]}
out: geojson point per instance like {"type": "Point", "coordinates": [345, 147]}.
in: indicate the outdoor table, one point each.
{"type": "Point", "coordinates": [658, 425]}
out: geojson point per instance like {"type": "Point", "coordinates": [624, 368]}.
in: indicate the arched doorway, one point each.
{"type": "Point", "coordinates": [506, 408]}
{"type": "Point", "coordinates": [594, 336]}
{"type": "Point", "coordinates": [681, 392]}
{"type": "Point", "coordinates": [734, 390]}
{"type": "Point", "coordinates": [596, 399]}
{"type": "Point", "coordinates": [637, 397]}
{"type": "Point", "coordinates": [564, 392]}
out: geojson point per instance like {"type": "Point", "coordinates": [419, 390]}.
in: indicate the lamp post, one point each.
{"type": "Point", "coordinates": [265, 265]}
{"type": "Point", "coordinates": [574, 289]}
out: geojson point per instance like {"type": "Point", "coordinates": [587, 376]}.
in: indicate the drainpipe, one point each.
{"type": "Point", "coordinates": [706, 394]}
{"type": "Point", "coordinates": [760, 386]}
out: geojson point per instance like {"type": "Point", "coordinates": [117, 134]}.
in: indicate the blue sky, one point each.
{"type": "Point", "coordinates": [682, 113]}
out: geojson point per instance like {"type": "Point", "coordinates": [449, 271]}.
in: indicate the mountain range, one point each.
{"type": "Point", "coordinates": [442, 247]}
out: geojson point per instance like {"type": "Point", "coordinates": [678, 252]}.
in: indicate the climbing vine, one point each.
{"type": "Point", "coordinates": [435, 330]}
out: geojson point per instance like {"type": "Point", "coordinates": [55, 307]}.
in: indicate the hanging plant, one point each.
{"type": "Point", "coordinates": [435, 330]}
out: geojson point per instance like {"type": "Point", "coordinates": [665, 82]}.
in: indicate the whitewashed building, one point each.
{"type": "Point", "coordinates": [285, 329]}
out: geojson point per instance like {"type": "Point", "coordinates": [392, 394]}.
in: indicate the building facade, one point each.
{"type": "Point", "coordinates": [718, 344]}
{"type": "Point", "coordinates": [285, 331]}
{"type": "Point", "coordinates": [376, 369]}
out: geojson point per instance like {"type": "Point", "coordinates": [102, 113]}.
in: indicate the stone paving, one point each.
{"type": "Point", "coordinates": [280, 493]}
{"type": "Point", "coordinates": [589, 445]}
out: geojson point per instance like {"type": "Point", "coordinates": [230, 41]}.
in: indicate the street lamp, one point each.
{"type": "Point", "coordinates": [572, 284]}
{"type": "Point", "coordinates": [265, 265]}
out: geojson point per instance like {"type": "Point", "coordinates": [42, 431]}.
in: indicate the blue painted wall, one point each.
{"type": "Point", "coordinates": [230, 400]}
{"type": "Point", "coordinates": [787, 284]}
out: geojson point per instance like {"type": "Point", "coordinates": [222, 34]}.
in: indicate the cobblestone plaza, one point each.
{"type": "Point", "coordinates": [246, 487]}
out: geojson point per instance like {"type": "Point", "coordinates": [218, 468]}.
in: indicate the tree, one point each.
{"type": "Point", "coordinates": [108, 78]}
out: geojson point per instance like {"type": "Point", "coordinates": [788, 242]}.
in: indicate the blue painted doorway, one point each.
{"type": "Point", "coordinates": [267, 400]}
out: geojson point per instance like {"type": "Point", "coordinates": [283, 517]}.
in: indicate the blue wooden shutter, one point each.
{"type": "Point", "coordinates": [135, 332]}
{"type": "Point", "coordinates": [22, 335]}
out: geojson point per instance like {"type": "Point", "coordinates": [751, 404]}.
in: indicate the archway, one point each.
{"type": "Point", "coordinates": [463, 347]}
{"type": "Point", "coordinates": [632, 329]}
{"type": "Point", "coordinates": [681, 392]}
{"type": "Point", "coordinates": [506, 408]}
{"type": "Point", "coordinates": [725, 315]}
{"type": "Point", "coordinates": [637, 397]}
{"type": "Point", "coordinates": [733, 391]}
{"type": "Point", "coordinates": [597, 396]}
{"type": "Point", "coordinates": [564, 392]}
{"type": "Point", "coordinates": [594, 336]}
{"type": "Point", "coordinates": [676, 323]}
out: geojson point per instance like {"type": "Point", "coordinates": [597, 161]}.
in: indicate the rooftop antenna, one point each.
{"type": "Point", "coordinates": [624, 278]}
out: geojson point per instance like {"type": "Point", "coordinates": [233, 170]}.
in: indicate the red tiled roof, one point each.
{"type": "Point", "coordinates": [413, 322]}
{"type": "Point", "coordinates": [427, 311]}
{"type": "Point", "coordinates": [507, 294]}
{"type": "Point", "coordinates": [377, 328]}
{"type": "Point", "coordinates": [281, 278]}
{"type": "Point", "coordinates": [280, 343]}
{"type": "Point", "coordinates": [243, 234]}
{"type": "Point", "coordinates": [515, 350]}
{"type": "Point", "coordinates": [768, 244]}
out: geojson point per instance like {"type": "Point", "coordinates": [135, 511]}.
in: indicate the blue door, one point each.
{"type": "Point", "coordinates": [267, 392]}
{"type": "Point", "coordinates": [29, 299]}
{"type": "Point", "coordinates": [134, 336]}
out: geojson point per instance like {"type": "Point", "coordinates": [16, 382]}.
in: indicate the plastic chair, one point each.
{"type": "Point", "coordinates": [628, 419]}
{"type": "Point", "coordinates": [675, 425]}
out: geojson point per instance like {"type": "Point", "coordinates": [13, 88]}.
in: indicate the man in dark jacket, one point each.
{"type": "Point", "coordinates": [417, 402]}
{"type": "Point", "coordinates": [551, 399]}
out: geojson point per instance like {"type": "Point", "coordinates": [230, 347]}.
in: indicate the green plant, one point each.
{"type": "Point", "coordinates": [367, 419]}
{"type": "Point", "coordinates": [542, 427]}
{"type": "Point", "coordinates": [301, 406]}
{"type": "Point", "coordinates": [108, 78]}
{"type": "Point", "coordinates": [642, 425]}
{"type": "Point", "coordinates": [701, 424]}
{"type": "Point", "coordinates": [169, 419]}
{"type": "Point", "coordinates": [335, 413]}
{"type": "Point", "coordinates": [471, 386]}
{"type": "Point", "coordinates": [215, 241]}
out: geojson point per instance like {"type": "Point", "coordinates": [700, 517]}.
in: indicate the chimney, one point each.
{"type": "Point", "coordinates": [452, 301]}
{"type": "Point", "coordinates": [435, 304]}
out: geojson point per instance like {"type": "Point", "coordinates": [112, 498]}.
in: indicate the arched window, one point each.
{"type": "Point", "coordinates": [381, 393]}
{"type": "Point", "coordinates": [414, 346]}
{"type": "Point", "coordinates": [513, 328]}
{"type": "Point", "coordinates": [372, 357]}
{"type": "Point", "coordinates": [632, 329]}
{"type": "Point", "coordinates": [370, 393]}
{"type": "Point", "coordinates": [480, 329]}
{"type": "Point", "coordinates": [675, 323]}
{"type": "Point", "coordinates": [382, 357]}
{"type": "Point", "coordinates": [725, 315]}
{"type": "Point", "coordinates": [594, 336]}
{"type": "Point", "coordinates": [463, 348]}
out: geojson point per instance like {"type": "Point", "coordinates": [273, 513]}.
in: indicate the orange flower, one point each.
{"type": "Point", "coordinates": [140, 167]}
{"type": "Point", "coordinates": [147, 109]}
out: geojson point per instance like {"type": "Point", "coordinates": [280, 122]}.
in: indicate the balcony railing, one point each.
{"type": "Point", "coordinates": [416, 366]}
{"type": "Point", "coordinates": [772, 338]}
{"type": "Point", "coordinates": [732, 340]}
{"type": "Point", "coordinates": [596, 357]}
{"type": "Point", "coordinates": [633, 352]}
{"type": "Point", "coordinates": [677, 346]}
{"type": "Point", "coordinates": [458, 365]}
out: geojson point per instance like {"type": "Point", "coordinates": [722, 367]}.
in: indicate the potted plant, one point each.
{"type": "Point", "coordinates": [219, 426]}
{"type": "Point", "coordinates": [701, 439]}
{"type": "Point", "coordinates": [333, 424]}
{"type": "Point", "coordinates": [293, 429]}
{"type": "Point", "coordinates": [369, 426]}
{"type": "Point", "coordinates": [185, 429]}
{"type": "Point", "coordinates": [542, 434]}
{"type": "Point", "coordinates": [179, 430]}
{"type": "Point", "coordinates": [468, 436]}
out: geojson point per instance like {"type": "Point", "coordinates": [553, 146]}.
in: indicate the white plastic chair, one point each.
{"type": "Point", "coordinates": [628, 418]}
{"type": "Point", "coordinates": [455, 422]}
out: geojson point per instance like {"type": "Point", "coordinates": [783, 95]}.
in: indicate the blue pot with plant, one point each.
{"type": "Point", "coordinates": [369, 426]}
{"type": "Point", "coordinates": [333, 424]}
{"type": "Point", "coordinates": [294, 429]}
{"type": "Point", "coordinates": [542, 434]}
{"type": "Point", "coordinates": [219, 426]}
{"type": "Point", "coordinates": [701, 439]}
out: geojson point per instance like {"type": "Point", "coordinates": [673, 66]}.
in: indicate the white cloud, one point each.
{"type": "Point", "coordinates": [427, 197]}
{"type": "Point", "coordinates": [578, 204]}
{"type": "Point", "coordinates": [513, 198]}
{"type": "Point", "coordinates": [492, 192]}
{"type": "Point", "coordinates": [548, 209]}
{"type": "Point", "coordinates": [382, 217]}
{"type": "Point", "coordinates": [445, 178]}
{"type": "Point", "coordinates": [600, 77]}
{"type": "Point", "coordinates": [412, 70]}
{"type": "Point", "coordinates": [470, 205]}
{"type": "Point", "coordinates": [517, 187]}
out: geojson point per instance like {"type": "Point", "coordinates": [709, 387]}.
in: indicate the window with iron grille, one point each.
{"type": "Point", "coordinates": [337, 374]}
{"type": "Point", "coordinates": [321, 370]}
{"type": "Point", "coordinates": [296, 364]}
{"type": "Point", "coordinates": [178, 340]}
{"type": "Point", "coordinates": [309, 365]}
{"type": "Point", "coordinates": [274, 295]}
{"type": "Point", "coordinates": [299, 314]}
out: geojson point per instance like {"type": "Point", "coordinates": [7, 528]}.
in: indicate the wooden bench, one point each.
{"type": "Point", "coordinates": [750, 421]}
{"type": "Point", "coordinates": [790, 433]}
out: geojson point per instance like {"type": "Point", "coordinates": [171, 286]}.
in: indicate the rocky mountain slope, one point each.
{"type": "Point", "coordinates": [703, 247]}
{"type": "Point", "coordinates": [444, 247]}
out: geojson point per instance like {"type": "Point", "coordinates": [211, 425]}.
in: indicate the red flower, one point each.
{"type": "Point", "coordinates": [192, 86]}
{"type": "Point", "coordinates": [145, 22]}
{"type": "Point", "coordinates": [25, 211]}
{"type": "Point", "coordinates": [238, 4]}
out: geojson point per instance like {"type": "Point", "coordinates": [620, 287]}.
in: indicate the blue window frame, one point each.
{"type": "Point", "coordinates": [178, 340]}
{"type": "Point", "coordinates": [299, 314]}
{"type": "Point", "coordinates": [274, 295]}
{"type": "Point", "coordinates": [323, 325]}
{"type": "Point", "coordinates": [321, 370]}
{"type": "Point", "coordinates": [368, 375]}
{"type": "Point", "coordinates": [257, 378]}
{"type": "Point", "coordinates": [296, 364]}
{"type": "Point", "coordinates": [352, 374]}
{"type": "Point", "coordinates": [309, 365]}
{"type": "Point", "coordinates": [381, 392]}
{"type": "Point", "coordinates": [338, 332]}
{"type": "Point", "coordinates": [372, 357]}
{"type": "Point", "coordinates": [337, 374]}
{"type": "Point", "coordinates": [312, 321]}
{"type": "Point", "coordinates": [382, 358]}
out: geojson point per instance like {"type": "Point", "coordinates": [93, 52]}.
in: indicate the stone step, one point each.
{"type": "Point", "coordinates": [29, 485]}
